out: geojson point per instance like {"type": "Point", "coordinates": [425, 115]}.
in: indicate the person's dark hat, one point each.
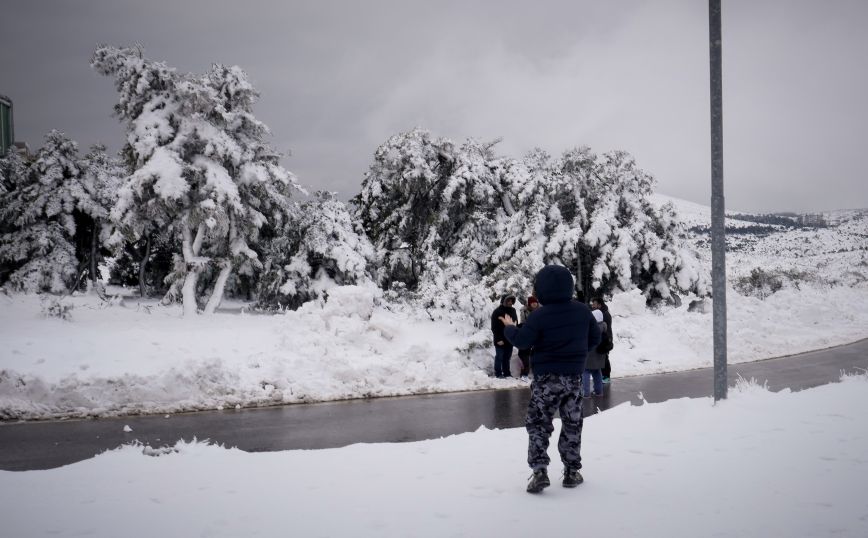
{"type": "Point", "coordinates": [532, 299]}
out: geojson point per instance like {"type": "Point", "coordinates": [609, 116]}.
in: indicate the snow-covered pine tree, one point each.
{"type": "Point", "coordinates": [39, 219]}
{"type": "Point", "coordinates": [631, 243]}
{"type": "Point", "coordinates": [425, 201]}
{"type": "Point", "coordinates": [264, 186]}
{"type": "Point", "coordinates": [595, 216]}
{"type": "Point", "coordinates": [668, 265]}
{"type": "Point", "coordinates": [399, 202]}
{"type": "Point", "coordinates": [524, 235]}
{"type": "Point", "coordinates": [324, 248]}
{"type": "Point", "coordinates": [464, 231]}
{"type": "Point", "coordinates": [149, 199]}
{"type": "Point", "coordinates": [200, 166]}
{"type": "Point", "coordinates": [13, 169]}
{"type": "Point", "coordinates": [133, 242]}
{"type": "Point", "coordinates": [574, 176]}
{"type": "Point", "coordinates": [100, 180]}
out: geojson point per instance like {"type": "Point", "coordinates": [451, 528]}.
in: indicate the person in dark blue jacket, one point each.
{"type": "Point", "coordinates": [561, 332]}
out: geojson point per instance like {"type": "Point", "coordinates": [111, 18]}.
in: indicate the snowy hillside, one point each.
{"type": "Point", "coordinates": [791, 290]}
{"type": "Point", "coordinates": [836, 254]}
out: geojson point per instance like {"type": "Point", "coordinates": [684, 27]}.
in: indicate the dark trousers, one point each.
{"type": "Point", "coordinates": [550, 393]}
{"type": "Point", "coordinates": [524, 356]}
{"type": "Point", "coordinates": [598, 381]}
{"type": "Point", "coordinates": [502, 355]}
{"type": "Point", "coordinates": [607, 367]}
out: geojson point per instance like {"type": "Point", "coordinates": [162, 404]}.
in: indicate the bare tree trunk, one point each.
{"type": "Point", "coordinates": [225, 271]}
{"type": "Point", "coordinates": [94, 238]}
{"type": "Point", "coordinates": [188, 292]}
{"type": "Point", "coordinates": [219, 286]}
{"type": "Point", "coordinates": [580, 277]}
{"type": "Point", "coordinates": [507, 204]}
{"type": "Point", "coordinates": [190, 249]}
{"type": "Point", "coordinates": [143, 264]}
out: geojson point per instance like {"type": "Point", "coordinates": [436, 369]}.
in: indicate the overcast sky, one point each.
{"type": "Point", "coordinates": [338, 78]}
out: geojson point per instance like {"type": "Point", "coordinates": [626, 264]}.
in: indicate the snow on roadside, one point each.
{"type": "Point", "coordinates": [120, 360]}
{"type": "Point", "coordinates": [124, 360]}
{"type": "Point", "coordinates": [758, 464]}
{"type": "Point", "coordinates": [787, 322]}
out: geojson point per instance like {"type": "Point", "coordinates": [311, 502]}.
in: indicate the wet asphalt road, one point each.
{"type": "Point", "coordinates": [45, 445]}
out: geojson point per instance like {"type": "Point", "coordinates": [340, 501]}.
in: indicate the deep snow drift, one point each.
{"type": "Point", "coordinates": [756, 465]}
{"type": "Point", "coordinates": [129, 357]}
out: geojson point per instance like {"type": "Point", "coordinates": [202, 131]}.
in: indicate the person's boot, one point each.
{"type": "Point", "coordinates": [572, 477]}
{"type": "Point", "coordinates": [539, 480]}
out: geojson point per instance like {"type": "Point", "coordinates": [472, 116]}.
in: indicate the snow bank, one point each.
{"type": "Point", "coordinates": [147, 359]}
{"type": "Point", "coordinates": [787, 322]}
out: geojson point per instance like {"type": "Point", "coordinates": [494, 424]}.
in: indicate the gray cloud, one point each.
{"type": "Point", "coordinates": [338, 78]}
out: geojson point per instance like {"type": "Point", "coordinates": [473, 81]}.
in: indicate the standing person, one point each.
{"type": "Point", "coordinates": [524, 354]}
{"type": "Point", "coordinates": [561, 333]}
{"type": "Point", "coordinates": [502, 346]}
{"type": "Point", "coordinates": [597, 303]}
{"type": "Point", "coordinates": [595, 361]}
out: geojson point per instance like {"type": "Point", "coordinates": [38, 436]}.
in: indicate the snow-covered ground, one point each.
{"type": "Point", "coordinates": [126, 356]}
{"type": "Point", "coordinates": [758, 464]}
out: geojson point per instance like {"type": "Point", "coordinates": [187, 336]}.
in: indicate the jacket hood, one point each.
{"type": "Point", "coordinates": [505, 298]}
{"type": "Point", "coordinates": [554, 284]}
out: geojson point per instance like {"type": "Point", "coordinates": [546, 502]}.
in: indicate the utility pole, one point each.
{"type": "Point", "coordinates": [718, 229]}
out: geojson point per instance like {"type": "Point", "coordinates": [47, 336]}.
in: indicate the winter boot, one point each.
{"type": "Point", "coordinates": [539, 480]}
{"type": "Point", "coordinates": [572, 478]}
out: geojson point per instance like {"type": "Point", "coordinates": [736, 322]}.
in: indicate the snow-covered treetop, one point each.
{"type": "Point", "coordinates": [52, 189]}
{"type": "Point", "coordinates": [196, 150]}
{"type": "Point", "coordinates": [101, 179]}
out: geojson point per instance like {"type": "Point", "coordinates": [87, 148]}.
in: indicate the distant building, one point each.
{"type": "Point", "coordinates": [7, 126]}
{"type": "Point", "coordinates": [813, 220]}
{"type": "Point", "coordinates": [22, 148]}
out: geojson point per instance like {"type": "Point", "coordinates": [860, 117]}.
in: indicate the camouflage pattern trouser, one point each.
{"type": "Point", "coordinates": [550, 393]}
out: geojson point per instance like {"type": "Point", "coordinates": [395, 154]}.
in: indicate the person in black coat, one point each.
{"type": "Point", "coordinates": [597, 303]}
{"type": "Point", "coordinates": [560, 332]}
{"type": "Point", "coordinates": [595, 361]}
{"type": "Point", "coordinates": [502, 346]}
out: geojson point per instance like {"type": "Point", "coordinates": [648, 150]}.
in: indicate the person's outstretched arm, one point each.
{"type": "Point", "coordinates": [522, 338]}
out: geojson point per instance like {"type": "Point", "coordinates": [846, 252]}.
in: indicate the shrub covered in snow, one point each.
{"type": "Point", "coordinates": [319, 248]}
{"type": "Point", "coordinates": [54, 307]}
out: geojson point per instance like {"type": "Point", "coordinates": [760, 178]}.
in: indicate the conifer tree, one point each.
{"type": "Point", "coordinates": [428, 205]}
{"type": "Point", "coordinates": [200, 168]}
{"type": "Point", "coordinates": [399, 200]}
{"type": "Point", "coordinates": [39, 216]}
{"type": "Point", "coordinates": [522, 237]}
{"type": "Point", "coordinates": [100, 180]}
{"type": "Point", "coordinates": [324, 248]}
